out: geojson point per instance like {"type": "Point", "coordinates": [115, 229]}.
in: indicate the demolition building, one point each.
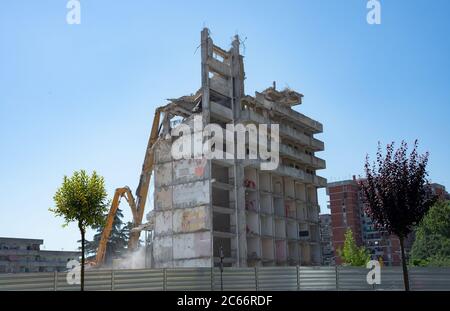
{"type": "Point", "coordinates": [208, 210]}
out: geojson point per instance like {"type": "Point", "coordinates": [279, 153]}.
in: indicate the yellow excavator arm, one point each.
{"type": "Point", "coordinates": [137, 206]}
{"type": "Point", "coordinates": [119, 193]}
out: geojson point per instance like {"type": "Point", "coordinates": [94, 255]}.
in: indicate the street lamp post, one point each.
{"type": "Point", "coordinates": [145, 249]}
{"type": "Point", "coordinates": [221, 267]}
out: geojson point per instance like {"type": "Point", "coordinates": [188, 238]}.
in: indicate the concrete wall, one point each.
{"type": "Point", "coordinates": [182, 234]}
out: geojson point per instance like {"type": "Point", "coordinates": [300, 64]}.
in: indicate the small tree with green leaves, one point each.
{"type": "Point", "coordinates": [351, 254]}
{"type": "Point", "coordinates": [81, 199]}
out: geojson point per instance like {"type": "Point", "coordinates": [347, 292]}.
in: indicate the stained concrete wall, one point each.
{"type": "Point", "coordinates": [182, 234]}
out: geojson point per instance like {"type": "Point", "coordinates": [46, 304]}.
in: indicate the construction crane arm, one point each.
{"type": "Point", "coordinates": [144, 180]}
{"type": "Point", "coordinates": [137, 206]}
{"type": "Point", "coordinates": [118, 194]}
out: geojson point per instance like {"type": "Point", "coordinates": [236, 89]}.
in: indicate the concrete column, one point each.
{"type": "Point", "coordinates": [236, 94]}
{"type": "Point", "coordinates": [206, 48]}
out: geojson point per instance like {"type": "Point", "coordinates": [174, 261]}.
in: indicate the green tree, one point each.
{"type": "Point", "coordinates": [351, 254]}
{"type": "Point", "coordinates": [432, 244]}
{"type": "Point", "coordinates": [117, 241]}
{"type": "Point", "coordinates": [81, 199]}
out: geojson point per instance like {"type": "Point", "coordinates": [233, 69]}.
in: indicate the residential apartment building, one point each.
{"type": "Point", "coordinates": [24, 255]}
{"type": "Point", "coordinates": [440, 191]}
{"type": "Point", "coordinates": [347, 211]}
{"type": "Point", "coordinates": [205, 209]}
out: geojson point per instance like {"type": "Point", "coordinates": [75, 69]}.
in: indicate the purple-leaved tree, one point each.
{"type": "Point", "coordinates": [397, 193]}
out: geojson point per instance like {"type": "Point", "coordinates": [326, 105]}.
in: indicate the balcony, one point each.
{"type": "Point", "coordinates": [290, 172]}
{"type": "Point", "coordinates": [302, 157]}
{"type": "Point", "coordinates": [317, 181]}
{"type": "Point", "coordinates": [296, 135]}
{"type": "Point", "coordinates": [301, 175]}
{"type": "Point", "coordinates": [221, 112]}
{"type": "Point", "coordinates": [294, 116]}
{"type": "Point", "coordinates": [285, 130]}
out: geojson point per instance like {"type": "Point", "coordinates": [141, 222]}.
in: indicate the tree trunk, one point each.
{"type": "Point", "coordinates": [405, 268]}
{"type": "Point", "coordinates": [82, 258]}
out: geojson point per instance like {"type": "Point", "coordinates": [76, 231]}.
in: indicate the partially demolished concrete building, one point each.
{"type": "Point", "coordinates": [205, 209]}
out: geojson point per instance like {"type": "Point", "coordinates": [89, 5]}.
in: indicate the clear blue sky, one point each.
{"type": "Point", "coordinates": [83, 96]}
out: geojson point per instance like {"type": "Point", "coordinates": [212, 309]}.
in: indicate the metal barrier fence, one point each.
{"type": "Point", "coordinates": [260, 278]}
